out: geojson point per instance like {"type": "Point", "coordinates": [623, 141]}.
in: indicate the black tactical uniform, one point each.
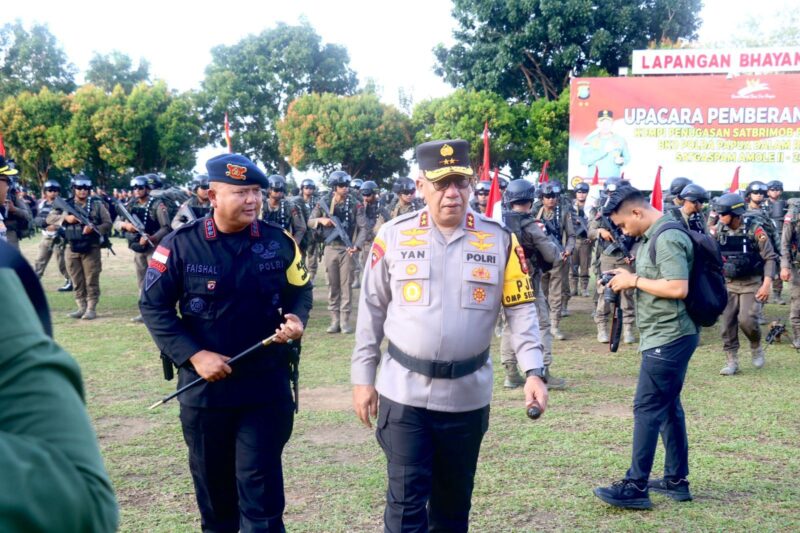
{"type": "Point", "coordinates": [776, 210]}
{"type": "Point", "coordinates": [232, 290]}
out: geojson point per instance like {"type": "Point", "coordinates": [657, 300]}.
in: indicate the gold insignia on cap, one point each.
{"type": "Point", "coordinates": [236, 172]}
{"type": "Point", "coordinates": [446, 150]}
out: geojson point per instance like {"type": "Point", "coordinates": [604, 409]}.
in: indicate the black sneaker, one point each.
{"type": "Point", "coordinates": [677, 490]}
{"type": "Point", "coordinates": [626, 494]}
{"type": "Point", "coordinates": [67, 287]}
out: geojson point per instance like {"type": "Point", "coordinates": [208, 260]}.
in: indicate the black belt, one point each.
{"type": "Point", "coordinates": [439, 369]}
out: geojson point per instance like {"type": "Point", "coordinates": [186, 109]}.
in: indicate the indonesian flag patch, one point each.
{"type": "Point", "coordinates": [161, 255]}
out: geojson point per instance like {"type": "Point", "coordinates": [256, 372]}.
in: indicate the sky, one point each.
{"type": "Point", "coordinates": [389, 42]}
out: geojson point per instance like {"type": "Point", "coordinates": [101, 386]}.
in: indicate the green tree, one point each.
{"type": "Point", "coordinates": [150, 130]}
{"type": "Point", "coordinates": [255, 79]}
{"type": "Point", "coordinates": [547, 134]}
{"type": "Point", "coordinates": [32, 60]}
{"type": "Point", "coordinates": [528, 49]}
{"type": "Point", "coordinates": [78, 148]}
{"type": "Point", "coordinates": [357, 133]}
{"type": "Point", "coordinates": [109, 70]}
{"type": "Point", "coordinates": [31, 124]}
{"type": "Point", "coordinates": [462, 114]}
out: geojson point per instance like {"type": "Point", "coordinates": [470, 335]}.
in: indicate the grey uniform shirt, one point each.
{"type": "Point", "coordinates": [437, 298]}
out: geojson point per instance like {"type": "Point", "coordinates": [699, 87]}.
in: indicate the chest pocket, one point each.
{"type": "Point", "coordinates": [201, 297]}
{"type": "Point", "coordinates": [480, 286]}
{"type": "Point", "coordinates": [412, 282]}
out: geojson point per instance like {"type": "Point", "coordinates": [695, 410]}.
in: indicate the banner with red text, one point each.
{"type": "Point", "coordinates": [700, 127]}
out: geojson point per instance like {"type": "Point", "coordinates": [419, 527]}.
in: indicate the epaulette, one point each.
{"type": "Point", "coordinates": [402, 218]}
{"type": "Point", "coordinates": [484, 218]}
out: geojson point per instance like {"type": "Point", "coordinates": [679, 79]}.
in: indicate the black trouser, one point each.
{"type": "Point", "coordinates": [235, 459]}
{"type": "Point", "coordinates": [657, 409]}
{"type": "Point", "coordinates": [432, 457]}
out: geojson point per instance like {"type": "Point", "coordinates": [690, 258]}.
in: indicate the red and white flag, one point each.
{"type": "Point", "coordinates": [544, 177]}
{"type": "Point", "coordinates": [657, 198]}
{"type": "Point", "coordinates": [494, 208]}
{"type": "Point", "coordinates": [735, 182]}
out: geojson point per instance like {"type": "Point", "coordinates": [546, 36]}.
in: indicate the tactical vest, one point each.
{"type": "Point", "coordinates": [580, 222]}
{"type": "Point", "coordinates": [145, 213]}
{"type": "Point", "coordinates": [281, 216]}
{"type": "Point", "coordinates": [73, 233]}
{"type": "Point", "coordinates": [740, 255]}
{"type": "Point", "coordinates": [516, 223]}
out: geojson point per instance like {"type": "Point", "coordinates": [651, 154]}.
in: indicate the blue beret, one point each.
{"type": "Point", "coordinates": [235, 169]}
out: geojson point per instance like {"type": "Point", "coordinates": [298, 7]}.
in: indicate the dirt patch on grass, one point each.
{"type": "Point", "coordinates": [614, 410]}
{"type": "Point", "coordinates": [622, 381]}
{"type": "Point", "coordinates": [326, 399]}
{"type": "Point", "coordinates": [117, 430]}
{"type": "Point", "coordinates": [337, 435]}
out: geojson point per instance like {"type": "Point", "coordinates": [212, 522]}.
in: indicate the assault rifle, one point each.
{"type": "Point", "coordinates": [620, 241]}
{"type": "Point", "coordinates": [134, 220]}
{"type": "Point", "coordinates": [338, 229]}
{"type": "Point", "coordinates": [84, 218]}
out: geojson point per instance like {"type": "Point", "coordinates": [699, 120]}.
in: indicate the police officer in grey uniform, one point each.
{"type": "Point", "coordinates": [750, 265]}
{"type": "Point", "coordinates": [434, 286]}
{"type": "Point", "coordinates": [338, 257]}
{"type": "Point", "coordinates": [542, 254]}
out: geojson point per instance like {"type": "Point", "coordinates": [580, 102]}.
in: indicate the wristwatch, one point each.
{"type": "Point", "coordinates": [538, 372]}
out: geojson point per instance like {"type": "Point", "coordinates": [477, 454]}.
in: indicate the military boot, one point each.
{"type": "Point", "coordinates": [553, 382]}
{"type": "Point", "coordinates": [585, 289]}
{"type": "Point", "coordinates": [513, 378]}
{"type": "Point", "coordinates": [334, 327]}
{"type": "Point", "coordinates": [138, 319]}
{"type": "Point", "coordinates": [732, 367]}
{"type": "Point", "coordinates": [758, 357]}
{"type": "Point", "coordinates": [796, 341]}
{"type": "Point", "coordinates": [90, 313]}
{"type": "Point", "coordinates": [356, 283]}
{"type": "Point", "coordinates": [602, 334]}
{"type": "Point", "coordinates": [67, 287]}
{"type": "Point", "coordinates": [627, 334]}
{"type": "Point", "coordinates": [556, 333]}
{"type": "Point", "coordinates": [347, 329]}
{"type": "Point", "coordinates": [81, 309]}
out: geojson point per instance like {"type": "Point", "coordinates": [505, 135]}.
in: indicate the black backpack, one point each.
{"type": "Point", "coordinates": [708, 294]}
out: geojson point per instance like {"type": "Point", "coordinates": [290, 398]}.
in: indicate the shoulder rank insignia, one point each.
{"type": "Point", "coordinates": [470, 221]}
{"type": "Point", "coordinates": [423, 219]}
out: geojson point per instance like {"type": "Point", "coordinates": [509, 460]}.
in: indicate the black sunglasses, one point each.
{"type": "Point", "coordinates": [52, 190]}
{"type": "Point", "coordinates": [482, 193]}
{"type": "Point", "coordinates": [461, 182]}
{"type": "Point", "coordinates": [204, 187]}
{"type": "Point", "coordinates": [550, 195]}
{"type": "Point", "coordinates": [82, 188]}
{"type": "Point", "coordinates": [138, 187]}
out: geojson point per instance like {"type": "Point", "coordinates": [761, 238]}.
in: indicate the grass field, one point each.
{"type": "Point", "coordinates": [532, 476]}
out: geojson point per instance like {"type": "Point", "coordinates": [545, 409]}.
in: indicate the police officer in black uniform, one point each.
{"type": "Point", "coordinates": [236, 280]}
